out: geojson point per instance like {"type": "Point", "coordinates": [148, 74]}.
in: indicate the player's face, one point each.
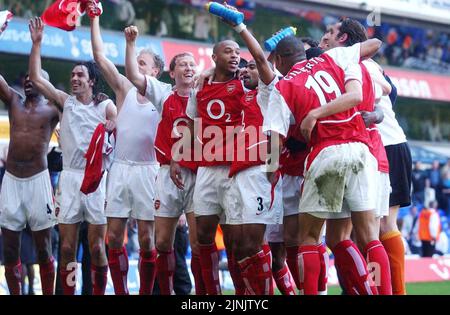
{"type": "Point", "coordinates": [80, 82]}
{"type": "Point", "coordinates": [227, 57]}
{"type": "Point", "coordinates": [185, 69]}
{"type": "Point", "coordinates": [29, 88]}
{"type": "Point", "coordinates": [250, 75]}
{"type": "Point", "coordinates": [330, 38]}
{"type": "Point", "coordinates": [146, 65]}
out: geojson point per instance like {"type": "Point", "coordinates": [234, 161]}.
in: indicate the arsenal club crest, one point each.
{"type": "Point", "coordinates": [231, 87]}
{"type": "Point", "coordinates": [249, 97]}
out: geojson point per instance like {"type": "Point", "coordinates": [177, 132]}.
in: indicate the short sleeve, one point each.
{"type": "Point", "coordinates": [345, 56]}
{"type": "Point", "coordinates": [279, 116]}
{"type": "Point", "coordinates": [353, 72]}
{"type": "Point", "coordinates": [264, 92]}
{"type": "Point", "coordinates": [157, 91]}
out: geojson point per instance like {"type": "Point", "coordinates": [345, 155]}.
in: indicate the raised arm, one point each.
{"type": "Point", "coordinates": [370, 47]}
{"type": "Point", "coordinates": [6, 93]}
{"type": "Point", "coordinates": [118, 82]}
{"type": "Point", "coordinates": [59, 97]}
{"type": "Point", "coordinates": [266, 73]}
{"type": "Point", "coordinates": [131, 66]}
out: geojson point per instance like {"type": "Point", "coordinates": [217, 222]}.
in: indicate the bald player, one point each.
{"type": "Point", "coordinates": [26, 196]}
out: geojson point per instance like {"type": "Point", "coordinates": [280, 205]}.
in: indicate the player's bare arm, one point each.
{"type": "Point", "coordinates": [111, 117]}
{"type": "Point", "coordinates": [265, 71]}
{"type": "Point", "coordinates": [351, 98]}
{"type": "Point", "coordinates": [185, 142]}
{"type": "Point", "coordinates": [131, 65]}
{"type": "Point", "coordinates": [59, 97]}
{"type": "Point", "coordinates": [6, 93]}
{"type": "Point", "coordinates": [118, 82]}
{"type": "Point", "coordinates": [370, 47]}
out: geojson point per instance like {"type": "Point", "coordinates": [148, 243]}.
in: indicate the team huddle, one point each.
{"type": "Point", "coordinates": [279, 151]}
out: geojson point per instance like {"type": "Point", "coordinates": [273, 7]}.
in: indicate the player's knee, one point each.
{"type": "Point", "coordinates": [115, 240]}
{"type": "Point", "coordinates": [145, 241]}
{"type": "Point", "coordinates": [68, 251]}
{"type": "Point", "coordinates": [10, 254]}
{"type": "Point", "coordinates": [97, 251]}
{"type": "Point", "coordinates": [204, 236]}
{"type": "Point", "coordinates": [43, 255]}
{"type": "Point", "coordinates": [163, 245]}
{"type": "Point", "coordinates": [290, 238]}
{"type": "Point", "coordinates": [277, 263]}
{"type": "Point", "coordinates": [388, 224]}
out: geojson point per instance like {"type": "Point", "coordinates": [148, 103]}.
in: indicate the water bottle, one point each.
{"type": "Point", "coordinates": [272, 42]}
{"type": "Point", "coordinates": [225, 13]}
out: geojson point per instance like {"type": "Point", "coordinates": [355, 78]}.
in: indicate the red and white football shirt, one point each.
{"type": "Point", "coordinates": [368, 104]}
{"type": "Point", "coordinates": [173, 119]}
{"type": "Point", "coordinates": [219, 107]}
{"type": "Point", "coordinates": [313, 83]}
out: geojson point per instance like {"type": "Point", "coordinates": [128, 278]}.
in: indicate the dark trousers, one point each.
{"type": "Point", "coordinates": [181, 281]}
{"type": "Point", "coordinates": [428, 248]}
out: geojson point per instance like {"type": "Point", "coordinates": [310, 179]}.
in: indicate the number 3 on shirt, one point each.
{"type": "Point", "coordinates": [322, 83]}
{"type": "Point", "coordinates": [222, 110]}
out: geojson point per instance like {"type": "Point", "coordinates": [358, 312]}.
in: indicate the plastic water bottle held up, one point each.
{"type": "Point", "coordinates": [272, 42]}
{"type": "Point", "coordinates": [229, 15]}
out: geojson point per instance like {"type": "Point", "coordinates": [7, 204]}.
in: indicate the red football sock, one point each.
{"type": "Point", "coordinates": [309, 269]}
{"type": "Point", "coordinates": [353, 268]}
{"type": "Point", "coordinates": [165, 268]}
{"type": "Point", "coordinates": [292, 262]}
{"type": "Point", "coordinates": [235, 273]}
{"type": "Point", "coordinates": [324, 263]}
{"type": "Point", "coordinates": [257, 274]}
{"type": "Point", "coordinates": [47, 272]}
{"type": "Point", "coordinates": [209, 260]}
{"type": "Point", "coordinates": [13, 275]}
{"type": "Point", "coordinates": [68, 279]}
{"type": "Point", "coordinates": [284, 281]}
{"type": "Point", "coordinates": [376, 256]}
{"type": "Point", "coordinates": [147, 271]}
{"type": "Point", "coordinates": [118, 267]}
{"type": "Point", "coordinates": [99, 275]}
{"type": "Point", "coordinates": [196, 268]}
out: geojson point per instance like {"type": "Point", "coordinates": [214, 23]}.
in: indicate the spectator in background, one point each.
{"type": "Point", "coordinates": [28, 259]}
{"type": "Point", "coordinates": [166, 16]}
{"type": "Point", "coordinates": [186, 22]}
{"type": "Point", "coordinates": [3, 155]}
{"type": "Point", "coordinates": [54, 161]}
{"type": "Point", "coordinates": [429, 229]}
{"type": "Point", "coordinates": [434, 174]}
{"type": "Point", "coordinates": [125, 12]}
{"type": "Point", "coordinates": [446, 192]}
{"type": "Point", "coordinates": [410, 230]}
{"type": "Point", "coordinates": [418, 182]}
{"type": "Point", "coordinates": [429, 193]}
{"type": "Point", "coordinates": [202, 26]}
{"type": "Point", "coordinates": [442, 244]}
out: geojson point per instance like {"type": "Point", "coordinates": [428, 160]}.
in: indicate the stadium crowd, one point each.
{"type": "Point", "coordinates": [405, 46]}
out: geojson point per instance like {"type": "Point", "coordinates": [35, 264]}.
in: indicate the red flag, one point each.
{"type": "Point", "coordinates": [64, 14]}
